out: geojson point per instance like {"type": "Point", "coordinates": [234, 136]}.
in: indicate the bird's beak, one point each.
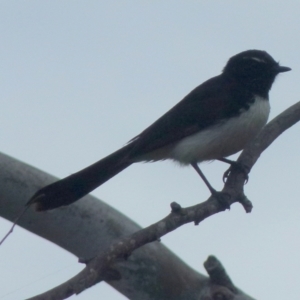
{"type": "Point", "coordinates": [281, 69]}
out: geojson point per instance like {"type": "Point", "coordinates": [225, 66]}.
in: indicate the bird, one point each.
{"type": "Point", "coordinates": [215, 120]}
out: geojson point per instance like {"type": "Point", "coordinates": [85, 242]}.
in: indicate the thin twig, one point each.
{"type": "Point", "coordinates": [14, 224]}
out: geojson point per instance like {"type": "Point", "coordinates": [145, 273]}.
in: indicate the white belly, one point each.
{"type": "Point", "coordinates": [224, 139]}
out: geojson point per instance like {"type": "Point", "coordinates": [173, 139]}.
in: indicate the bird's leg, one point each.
{"type": "Point", "coordinates": [236, 165]}
{"type": "Point", "coordinates": [197, 169]}
{"type": "Point", "coordinates": [219, 195]}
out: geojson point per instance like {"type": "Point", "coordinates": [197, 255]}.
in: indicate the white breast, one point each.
{"type": "Point", "coordinates": [224, 139]}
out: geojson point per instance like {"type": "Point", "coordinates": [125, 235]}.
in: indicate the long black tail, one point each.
{"type": "Point", "coordinates": [77, 185]}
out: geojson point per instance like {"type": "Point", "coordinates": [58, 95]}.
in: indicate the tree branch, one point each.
{"type": "Point", "coordinates": [89, 225]}
{"type": "Point", "coordinates": [96, 268]}
{"type": "Point", "coordinates": [108, 258]}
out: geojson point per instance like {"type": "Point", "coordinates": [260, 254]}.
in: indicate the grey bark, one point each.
{"type": "Point", "coordinates": [86, 227]}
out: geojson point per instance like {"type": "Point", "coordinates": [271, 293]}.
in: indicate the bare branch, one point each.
{"type": "Point", "coordinates": [89, 225]}
{"type": "Point", "coordinates": [97, 267]}
{"type": "Point", "coordinates": [269, 134]}
{"type": "Point", "coordinates": [217, 273]}
{"type": "Point", "coordinates": [14, 224]}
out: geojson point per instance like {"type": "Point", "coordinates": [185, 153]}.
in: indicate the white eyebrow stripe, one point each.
{"type": "Point", "coordinates": [258, 59]}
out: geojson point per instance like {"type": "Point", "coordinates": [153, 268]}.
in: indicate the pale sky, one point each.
{"type": "Point", "coordinates": [80, 78]}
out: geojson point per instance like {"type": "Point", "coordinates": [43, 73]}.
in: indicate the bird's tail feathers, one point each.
{"type": "Point", "coordinates": [77, 185]}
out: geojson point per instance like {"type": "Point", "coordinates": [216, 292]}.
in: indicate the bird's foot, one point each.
{"type": "Point", "coordinates": [237, 166]}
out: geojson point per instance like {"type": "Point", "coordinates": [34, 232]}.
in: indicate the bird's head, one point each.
{"type": "Point", "coordinates": [255, 69]}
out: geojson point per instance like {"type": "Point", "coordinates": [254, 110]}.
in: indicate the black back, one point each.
{"type": "Point", "coordinates": [245, 75]}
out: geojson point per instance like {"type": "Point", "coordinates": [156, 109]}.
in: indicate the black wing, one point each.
{"type": "Point", "coordinates": [206, 105]}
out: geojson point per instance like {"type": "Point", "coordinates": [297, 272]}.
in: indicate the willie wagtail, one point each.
{"type": "Point", "coordinates": [216, 119]}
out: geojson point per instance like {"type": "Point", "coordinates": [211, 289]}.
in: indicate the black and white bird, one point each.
{"type": "Point", "coordinates": [216, 119]}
